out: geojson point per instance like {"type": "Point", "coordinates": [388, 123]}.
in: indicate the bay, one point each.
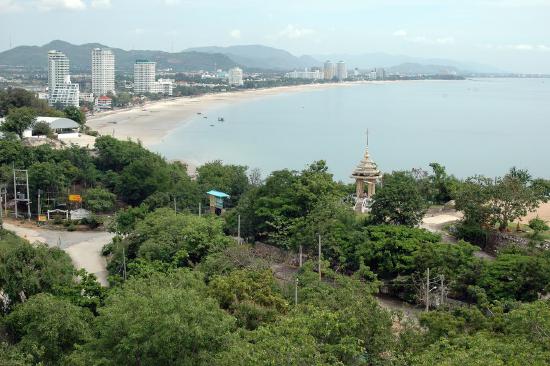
{"type": "Point", "coordinates": [477, 126]}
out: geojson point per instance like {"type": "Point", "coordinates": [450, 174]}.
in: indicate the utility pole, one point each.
{"type": "Point", "coordinates": [200, 209]}
{"type": "Point", "coordinates": [319, 257]}
{"type": "Point", "coordinates": [1, 211]}
{"type": "Point", "coordinates": [123, 264]}
{"type": "Point", "coordinates": [300, 256]}
{"type": "Point", "coordinates": [296, 292]}
{"type": "Point", "coordinates": [239, 229]}
{"type": "Point", "coordinates": [21, 178]}
{"type": "Point", "coordinates": [442, 290]}
{"type": "Point", "coordinates": [39, 206]}
{"type": "Point", "coordinates": [428, 289]}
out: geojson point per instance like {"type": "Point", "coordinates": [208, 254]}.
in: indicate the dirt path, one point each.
{"type": "Point", "coordinates": [435, 222]}
{"type": "Point", "coordinates": [84, 247]}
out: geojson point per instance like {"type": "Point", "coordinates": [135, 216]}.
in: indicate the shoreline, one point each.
{"type": "Point", "coordinates": [154, 121]}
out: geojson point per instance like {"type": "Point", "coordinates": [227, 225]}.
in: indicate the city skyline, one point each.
{"type": "Point", "coordinates": [509, 34]}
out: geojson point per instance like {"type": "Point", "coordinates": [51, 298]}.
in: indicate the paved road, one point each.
{"type": "Point", "coordinates": [84, 247]}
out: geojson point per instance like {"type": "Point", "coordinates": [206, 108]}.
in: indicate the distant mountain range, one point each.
{"type": "Point", "coordinates": [261, 57]}
{"type": "Point", "coordinates": [36, 57]}
{"type": "Point", "coordinates": [373, 60]}
{"type": "Point", "coordinates": [250, 57]}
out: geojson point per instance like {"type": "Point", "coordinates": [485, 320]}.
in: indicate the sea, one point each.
{"type": "Point", "coordinates": [473, 127]}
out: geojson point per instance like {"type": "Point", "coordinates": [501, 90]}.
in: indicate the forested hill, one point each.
{"type": "Point", "coordinates": [36, 57]}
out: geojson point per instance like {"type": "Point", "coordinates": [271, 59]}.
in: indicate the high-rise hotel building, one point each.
{"type": "Point", "coordinates": [144, 79]}
{"type": "Point", "coordinates": [341, 71]}
{"type": "Point", "coordinates": [329, 70]}
{"type": "Point", "coordinates": [144, 76]}
{"type": "Point", "coordinates": [103, 72]}
{"type": "Point", "coordinates": [61, 92]}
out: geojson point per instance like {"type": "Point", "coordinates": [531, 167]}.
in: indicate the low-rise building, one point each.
{"type": "Point", "coordinates": [306, 74]}
{"type": "Point", "coordinates": [104, 102]}
{"type": "Point", "coordinates": [62, 127]}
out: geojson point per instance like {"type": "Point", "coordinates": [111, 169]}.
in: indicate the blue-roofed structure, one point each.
{"type": "Point", "coordinates": [216, 201]}
{"type": "Point", "coordinates": [217, 194]}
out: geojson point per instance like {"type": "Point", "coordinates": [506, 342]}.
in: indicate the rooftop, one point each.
{"type": "Point", "coordinates": [366, 168]}
{"type": "Point", "coordinates": [217, 194]}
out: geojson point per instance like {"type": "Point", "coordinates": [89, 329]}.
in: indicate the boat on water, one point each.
{"type": "Point", "coordinates": [211, 125]}
{"type": "Point", "coordinates": [221, 119]}
{"type": "Point", "coordinates": [199, 112]}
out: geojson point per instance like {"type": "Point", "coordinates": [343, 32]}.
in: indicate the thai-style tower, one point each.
{"type": "Point", "coordinates": [366, 173]}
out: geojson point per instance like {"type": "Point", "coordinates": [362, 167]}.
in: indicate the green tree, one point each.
{"type": "Point", "coordinates": [538, 226]}
{"type": "Point", "coordinates": [160, 320]}
{"type": "Point", "coordinates": [27, 269]}
{"type": "Point", "coordinates": [42, 129]}
{"type": "Point", "coordinates": [252, 296]}
{"type": "Point", "coordinates": [19, 120]}
{"type": "Point", "coordinates": [99, 200]}
{"type": "Point", "coordinates": [398, 201]}
{"type": "Point", "coordinates": [514, 196]}
{"type": "Point", "coordinates": [231, 179]}
{"type": "Point", "coordinates": [48, 328]}
{"type": "Point", "coordinates": [76, 114]}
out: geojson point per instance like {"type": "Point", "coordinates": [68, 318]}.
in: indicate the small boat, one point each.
{"type": "Point", "coordinates": [199, 112]}
{"type": "Point", "coordinates": [221, 119]}
{"type": "Point", "coordinates": [211, 125]}
{"type": "Point", "coordinates": [204, 117]}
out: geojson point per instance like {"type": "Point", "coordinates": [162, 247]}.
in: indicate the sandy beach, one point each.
{"type": "Point", "coordinates": [153, 121]}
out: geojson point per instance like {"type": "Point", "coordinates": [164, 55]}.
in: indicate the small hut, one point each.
{"type": "Point", "coordinates": [216, 201]}
{"type": "Point", "coordinates": [366, 173]}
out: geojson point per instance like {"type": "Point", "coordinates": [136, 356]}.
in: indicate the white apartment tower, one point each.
{"type": "Point", "coordinates": [144, 76]}
{"type": "Point", "coordinates": [103, 71]}
{"type": "Point", "coordinates": [329, 70]}
{"type": "Point", "coordinates": [235, 76]}
{"type": "Point", "coordinates": [60, 89]}
{"type": "Point", "coordinates": [341, 71]}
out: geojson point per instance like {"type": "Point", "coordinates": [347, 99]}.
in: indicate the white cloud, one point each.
{"type": "Point", "coordinates": [442, 41]}
{"type": "Point", "coordinates": [60, 4]}
{"type": "Point", "coordinates": [101, 4]}
{"type": "Point", "coordinates": [400, 33]}
{"type": "Point", "coordinates": [294, 32]}
{"type": "Point", "coordinates": [525, 47]}
{"type": "Point", "coordinates": [235, 33]}
{"type": "Point", "coordinates": [9, 6]}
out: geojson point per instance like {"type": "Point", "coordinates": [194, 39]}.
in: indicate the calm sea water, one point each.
{"type": "Point", "coordinates": [481, 126]}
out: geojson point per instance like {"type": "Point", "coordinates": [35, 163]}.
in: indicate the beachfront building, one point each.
{"type": "Point", "coordinates": [365, 174]}
{"type": "Point", "coordinates": [61, 127]}
{"type": "Point", "coordinates": [329, 70]}
{"type": "Point", "coordinates": [103, 71]}
{"type": "Point", "coordinates": [144, 76]}
{"type": "Point", "coordinates": [380, 74]}
{"type": "Point", "coordinates": [306, 74]}
{"type": "Point", "coordinates": [235, 76]}
{"type": "Point", "coordinates": [61, 92]}
{"type": "Point", "coordinates": [163, 86]}
{"type": "Point", "coordinates": [341, 71]}
{"type": "Point", "coordinates": [104, 102]}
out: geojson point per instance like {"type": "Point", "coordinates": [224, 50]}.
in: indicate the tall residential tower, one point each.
{"type": "Point", "coordinates": [144, 76]}
{"type": "Point", "coordinates": [103, 72]}
{"type": "Point", "coordinates": [329, 70]}
{"type": "Point", "coordinates": [61, 92]}
{"type": "Point", "coordinates": [341, 71]}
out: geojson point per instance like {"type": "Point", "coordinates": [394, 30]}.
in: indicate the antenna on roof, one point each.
{"type": "Point", "coordinates": [367, 137]}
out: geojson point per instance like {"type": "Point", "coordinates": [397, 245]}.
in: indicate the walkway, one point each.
{"type": "Point", "coordinates": [84, 247]}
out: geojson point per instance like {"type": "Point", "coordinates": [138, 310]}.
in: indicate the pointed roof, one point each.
{"type": "Point", "coordinates": [366, 168]}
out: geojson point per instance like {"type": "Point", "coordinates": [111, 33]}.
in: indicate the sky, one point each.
{"type": "Point", "coordinates": [513, 35]}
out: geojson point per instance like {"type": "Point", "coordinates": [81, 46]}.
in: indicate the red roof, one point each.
{"type": "Point", "coordinates": [103, 97]}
